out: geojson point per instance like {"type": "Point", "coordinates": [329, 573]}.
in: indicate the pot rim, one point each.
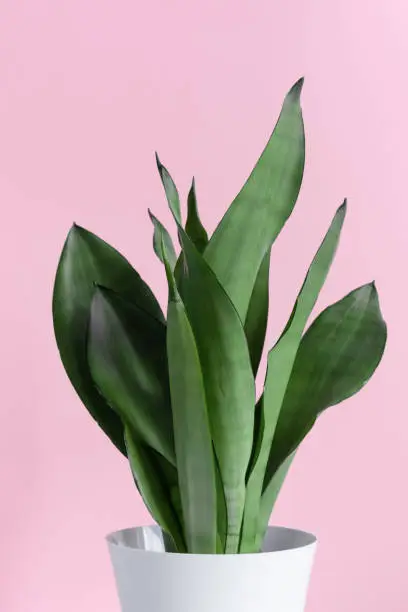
{"type": "Point", "coordinates": [301, 540]}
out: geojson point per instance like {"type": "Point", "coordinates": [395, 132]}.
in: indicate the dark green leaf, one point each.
{"type": "Point", "coordinates": [160, 233]}
{"type": "Point", "coordinates": [257, 316]}
{"type": "Point", "coordinates": [127, 359]}
{"type": "Point", "coordinates": [228, 379]}
{"type": "Point", "coordinates": [337, 356]}
{"type": "Point", "coordinates": [85, 260]}
{"type": "Point", "coordinates": [170, 189]}
{"type": "Point", "coordinates": [280, 364]}
{"type": "Point", "coordinates": [256, 216]}
{"type": "Point", "coordinates": [154, 487]}
{"type": "Point", "coordinates": [194, 228]}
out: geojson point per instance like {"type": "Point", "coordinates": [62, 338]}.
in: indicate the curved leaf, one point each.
{"type": "Point", "coordinates": [194, 228]}
{"type": "Point", "coordinates": [127, 360]}
{"type": "Point", "coordinates": [170, 189]}
{"type": "Point", "coordinates": [337, 356]}
{"type": "Point", "coordinates": [258, 213]}
{"type": "Point", "coordinates": [257, 317]}
{"type": "Point", "coordinates": [228, 379]}
{"type": "Point", "coordinates": [161, 234]}
{"type": "Point", "coordinates": [85, 260]}
{"type": "Point", "coordinates": [280, 364]}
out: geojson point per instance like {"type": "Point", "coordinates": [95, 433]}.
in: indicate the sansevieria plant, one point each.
{"type": "Point", "coordinates": [176, 395]}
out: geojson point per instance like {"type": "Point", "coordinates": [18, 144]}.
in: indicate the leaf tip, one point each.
{"type": "Point", "coordinates": [296, 89]}
{"type": "Point", "coordinates": [342, 210]}
{"type": "Point", "coordinates": [367, 292]}
{"type": "Point", "coordinates": [77, 231]}
{"type": "Point", "coordinates": [99, 290]}
{"type": "Point", "coordinates": [98, 297]}
{"type": "Point", "coordinates": [158, 162]}
{"type": "Point", "coordinates": [75, 227]}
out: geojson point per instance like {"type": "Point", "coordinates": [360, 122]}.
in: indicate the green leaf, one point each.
{"type": "Point", "coordinates": [337, 356]}
{"type": "Point", "coordinates": [85, 260]}
{"type": "Point", "coordinates": [161, 234]}
{"type": "Point", "coordinates": [257, 317]}
{"type": "Point", "coordinates": [280, 364]}
{"type": "Point", "coordinates": [196, 232]}
{"type": "Point", "coordinates": [194, 228]}
{"type": "Point", "coordinates": [153, 487]}
{"type": "Point", "coordinates": [195, 460]}
{"type": "Point", "coordinates": [269, 498]}
{"type": "Point", "coordinates": [222, 519]}
{"type": "Point", "coordinates": [228, 379]}
{"type": "Point", "coordinates": [170, 189]}
{"type": "Point", "coordinates": [256, 216]}
{"type": "Point", "coordinates": [259, 426]}
{"type": "Point", "coordinates": [127, 360]}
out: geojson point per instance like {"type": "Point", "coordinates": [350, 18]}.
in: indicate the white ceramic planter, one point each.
{"type": "Point", "coordinates": [151, 580]}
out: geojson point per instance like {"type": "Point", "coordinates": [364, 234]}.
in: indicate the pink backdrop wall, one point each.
{"type": "Point", "coordinates": [88, 91]}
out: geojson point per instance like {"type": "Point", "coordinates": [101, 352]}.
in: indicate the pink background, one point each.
{"type": "Point", "coordinates": [88, 91]}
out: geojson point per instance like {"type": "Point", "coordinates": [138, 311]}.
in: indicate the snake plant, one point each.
{"type": "Point", "coordinates": [176, 394]}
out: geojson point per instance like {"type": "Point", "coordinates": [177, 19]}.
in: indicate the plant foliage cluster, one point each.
{"type": "Point", "coordinates": [176, 395]}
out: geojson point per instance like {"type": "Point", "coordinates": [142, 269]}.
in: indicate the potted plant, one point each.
{"type": "Point", "coordinates": [176, 395]}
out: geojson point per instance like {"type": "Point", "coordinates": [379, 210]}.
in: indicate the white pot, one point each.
{"type": "Point", "coordinates": [151, 580]}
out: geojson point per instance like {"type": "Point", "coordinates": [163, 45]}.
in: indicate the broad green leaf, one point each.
{"type": "Point", "coordinates": [153, 487]}
{"type": "Point", "coordinates": [170, 189]}
{"type": "Point", "coordinates": [194, 228]}
{"type": "Point", "coordinates": [256, 216]}
{"type": "Point", "coordinates": [85, 260]}
{"type": "Point", "coordinates": [127, 360]}
{"type": "Point", "coordinates": [337, 356]}
{"type": "Point", "coordinates": [280, 364]}
{"type": "Point", "coordinates": [228, 379]}
{"type": "Point", "coordinates": [257, 317]}
{"type": "Point", "coordinates": [195, 460]}
{"type": "Point", "coordinates": [160, 233]}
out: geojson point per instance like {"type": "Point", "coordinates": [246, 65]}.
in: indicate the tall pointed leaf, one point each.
{"type": "Point", "coordinates": [127, 359]}
{"type": "Point", "coordinates": [228, 379]}
{"type": "Point", "coordinates": [337, 356]}
{"type": "Point", "coordinates": [258, 213]}
{"type": "Point", "coordinates": [257, 317]}
{"type": "Point", "coordinates": [195, 460]}
{"type": "Point", "coordinates": [170, 189]}
{"type": "Point", "coordinates": [161, 234]}
{"type": "Point", "coordinates": [153, 487]}
{"type": "Point", "coordinates": [194, 228]}
{"type": "Point", "coordinates": [85, 260]}
{"type": "Point", "coordinates": [280, 363]}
